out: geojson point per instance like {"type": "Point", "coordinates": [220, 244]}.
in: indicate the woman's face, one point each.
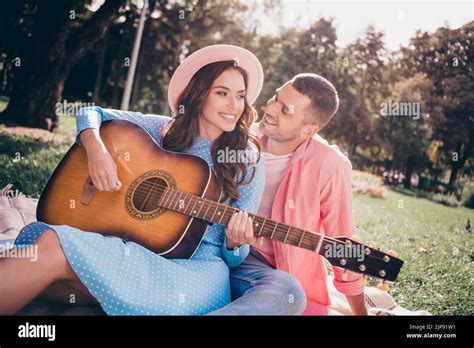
{"type": "Point", "coordinates": [224, 105]}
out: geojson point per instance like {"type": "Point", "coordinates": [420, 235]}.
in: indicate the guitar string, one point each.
{"type": "Point", "coordinates": [210, 203]}
{"type": "Point", "coordinates": [280, 228]}
{"type": "Point", "coordinates": [173, 202]}
{"type": "Point", "coordinates": [228, 214]}
{"type": "Point", "coordinates": [164, 190]}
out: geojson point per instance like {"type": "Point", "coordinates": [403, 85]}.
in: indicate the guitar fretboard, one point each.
{"type": "Point", "coordinates": [218, 213]}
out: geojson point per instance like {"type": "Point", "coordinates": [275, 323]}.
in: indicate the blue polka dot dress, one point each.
{"type": "Point", "coordinates": [128, 279]}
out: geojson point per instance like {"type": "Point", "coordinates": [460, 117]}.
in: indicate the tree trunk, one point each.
{"type": "Point", "coordinates": [408, 174]}
{"type": "Point", "coordinates": [39, 97]}
{"type": "Point", "coordinates": [456, 166]}
{"type": "Point", "coordinates": [116, 76]}
{"type": "Point", "coordinates": [136, 85]}
{"type": "Point", "coordinates": [352, 149]}
{"type": "Point", "coordinates": [100, 70]}
{"type": "Point", "coordinates": [39, 85]}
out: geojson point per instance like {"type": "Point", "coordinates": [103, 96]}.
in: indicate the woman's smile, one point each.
{"type": "Point", "coordinates": [228, 117]}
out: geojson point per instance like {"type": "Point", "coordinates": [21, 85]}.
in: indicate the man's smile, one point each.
{"type": "Point", "coordinates": [268, 121]}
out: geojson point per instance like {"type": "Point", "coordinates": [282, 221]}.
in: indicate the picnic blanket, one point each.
{"type": "Point", "coordinates": [17, 211]}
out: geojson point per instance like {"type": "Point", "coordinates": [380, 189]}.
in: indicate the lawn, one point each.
{"type": "Point", "coordinates": [29, 156]}
{"type": "Point", "coordinates": [438, 274]}
{"type": "Point", "coordinates": [431, 238]}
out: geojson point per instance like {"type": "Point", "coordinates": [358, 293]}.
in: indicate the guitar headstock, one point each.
{"type": "Point", "coordinates": [358, 257]}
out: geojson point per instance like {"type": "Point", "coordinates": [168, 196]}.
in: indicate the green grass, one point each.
{"type": "Point", "coordinates": [27, 163]}
{"type": "Point", "coordinates": [431, 238]}
{"type": "Point", "coordinates": [438, 274]}
{"type": "Point", "coordinates": [67, 127]}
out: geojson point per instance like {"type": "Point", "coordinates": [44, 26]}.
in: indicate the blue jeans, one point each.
{"type": "Point", "coordinates": [260, 289]}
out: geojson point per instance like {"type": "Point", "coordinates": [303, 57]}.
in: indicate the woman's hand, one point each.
{"type": "Point", "coordinates": [102, 168]}
{"type": "Point", "coordinates": [240, 231]}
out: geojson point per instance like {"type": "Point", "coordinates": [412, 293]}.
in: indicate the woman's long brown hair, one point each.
{"type": "Point", "coordinates": [181, 133]}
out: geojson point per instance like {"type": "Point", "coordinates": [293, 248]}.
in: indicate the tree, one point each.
{"type": "Point", "coordinates": [296, 51]}
{"type": "Point", "coordinates": [43, 43]}
{"type": "Point", "coordinates": [446, 57]}
{"type": "Point", "coordinates": [406, 125]}
{"type": "Point", "coordinates": [173, 32]}
{"type": "Point", "coordinates": [367, 60]}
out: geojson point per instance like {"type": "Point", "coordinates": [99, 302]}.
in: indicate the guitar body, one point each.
{"type": "Point", "coordinates": [132, 213]}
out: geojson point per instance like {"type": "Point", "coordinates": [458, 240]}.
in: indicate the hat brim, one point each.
{"type": "Point", "coordinates": [211, 54]}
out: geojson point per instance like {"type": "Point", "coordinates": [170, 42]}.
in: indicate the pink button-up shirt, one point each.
{"type": "Point", "coordinates": [315, 194]}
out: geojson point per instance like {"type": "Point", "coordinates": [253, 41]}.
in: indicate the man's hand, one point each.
{"type": "Point", "coordinates": [240, 231]}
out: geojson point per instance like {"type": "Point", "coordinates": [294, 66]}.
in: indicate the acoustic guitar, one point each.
{"type": "Point", "coordinates": [167, 201]}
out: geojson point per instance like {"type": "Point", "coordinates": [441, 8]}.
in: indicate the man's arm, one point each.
{"type": "Point", "coordinates": [337, 220]}
{"type": "Point", "coordinates": [357, 303]}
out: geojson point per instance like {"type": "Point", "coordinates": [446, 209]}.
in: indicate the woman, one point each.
{"type": "Point", "coordinates": [210, 94]}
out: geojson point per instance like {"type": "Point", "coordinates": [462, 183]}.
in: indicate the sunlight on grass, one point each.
{"type": "Point", "coordinates": [28, 163]}
{"type": "Point", "coordinates": [432, 240]}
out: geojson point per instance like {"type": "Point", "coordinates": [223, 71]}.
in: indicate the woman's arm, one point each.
{"type": "Point", "coordinates": [92, 117]}
{"type": "Point", "coordinates": [101, 165]}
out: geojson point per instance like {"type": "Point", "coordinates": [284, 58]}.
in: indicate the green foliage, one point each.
{"type": "Point", "coordinates": [446, 57]}
{"type": "Point", "coordinates": [294, 52]}
{"type": "Point", "coordinates": [410, 142]}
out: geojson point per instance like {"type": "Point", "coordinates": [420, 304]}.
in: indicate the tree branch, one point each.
{"type": "Point", "coordinates": [82, 40]}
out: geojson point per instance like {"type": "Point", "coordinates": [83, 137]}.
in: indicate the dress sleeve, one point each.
{"type": "Point", "coordinates": [92, 117]}
{"type": "Point", "coordinates": [249, 201]}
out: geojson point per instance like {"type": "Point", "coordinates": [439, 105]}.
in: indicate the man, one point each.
{"type": "Point", "coordinates": [308, 185]}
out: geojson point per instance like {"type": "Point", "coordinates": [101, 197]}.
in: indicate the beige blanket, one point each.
{"type": "Point", "coordinates": [17, 210]}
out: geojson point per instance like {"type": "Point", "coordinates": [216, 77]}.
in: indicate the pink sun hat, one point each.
{"type": "Point", "coordinates": [211, 54]}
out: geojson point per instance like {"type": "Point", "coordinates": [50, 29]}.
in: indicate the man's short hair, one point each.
{"type": "Point", "coordinates": [323, 96]}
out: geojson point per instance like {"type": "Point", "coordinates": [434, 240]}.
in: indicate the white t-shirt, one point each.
{"type": "Point", "coordinates": [274, 169]}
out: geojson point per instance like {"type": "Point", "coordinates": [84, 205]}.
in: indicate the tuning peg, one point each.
{"type": "Point", "coordinates": [356, 238]}
{"type": "Point", "coordinates": [392, 253]}
{"type": "Point", "coordinates": [383, 286]}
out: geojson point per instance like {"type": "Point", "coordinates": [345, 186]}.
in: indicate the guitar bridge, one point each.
{"type": "Point", "coordinates": [88, 191]}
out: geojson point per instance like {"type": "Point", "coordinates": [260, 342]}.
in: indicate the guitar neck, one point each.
{"type": "Point", "coordinates": [219, 213]}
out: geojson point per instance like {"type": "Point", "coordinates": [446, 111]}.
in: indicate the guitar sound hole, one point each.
{"type": "Point", "coordinates": [148, 193]}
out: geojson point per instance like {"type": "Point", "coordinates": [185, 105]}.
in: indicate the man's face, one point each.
{"type": "Point", "coordinates": [284, 114]}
